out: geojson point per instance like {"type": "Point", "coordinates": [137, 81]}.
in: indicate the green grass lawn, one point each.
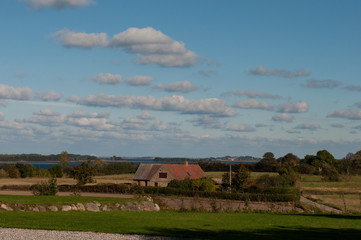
{"type": "Point", "coordinates": [48, 200]}
{"type": "Point", "coordinates": [194, 224]}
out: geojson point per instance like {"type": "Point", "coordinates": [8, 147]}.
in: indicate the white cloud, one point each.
{"type": "Point", "coordinates": [298, 107]}
{"type": "Point", "coordinates": [46, 117]}
{"type": "Point", "coordinates": [82, 114]}
{"type": "Point", "coordinates": [140, 80]}
{"type": "Point", "coordinates": [159, 126]}
{"type": "Point", "coordinates": [184, 87]}
{"type": "Point", "coordinates": [2, 116]}
{"type": "Point", "coordinates": [314, 83]}
{"type": "Point", "coordinates": [252, 104]}
{"type": "Point", "coordinates": [348, 114]}
{"type": "Point", "coordinates": [282, 117]}
{"type": "Point", "coordinates": [49, 96]}
{"type": "Point", "coordinates": [211, 106]}
{"type": "Point", "coordinates": [252, 94]}
{"type": "Point", "coordinates": [107, 78]}
{"type": "Point", "coordinates": [69, 39]}
{"type": "Point", "coordinates": [57, 4]}
{"type": "Point", "coordinates": [311, 127]}
{"type": "Point", "coordinates": [92, 123]}
{"type": "Point", "coordinates": [150, 45]}
{"type": "Point", "coordinates": [262, 71]}
{"type": "Point", "coordinates": [146, 116]}
{"type": "Point", "coordinates": [11, 125]}
{"type": "Point", "coordinates": [241, 128]}
{"type": "Point", "coordinates": [7, 92]}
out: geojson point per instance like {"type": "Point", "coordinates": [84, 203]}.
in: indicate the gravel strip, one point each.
{"type": "Point", "coordinates": [29, 234]}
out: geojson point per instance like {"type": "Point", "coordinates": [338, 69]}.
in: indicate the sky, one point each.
{"type": "Point", "coordinates": [183, 78]}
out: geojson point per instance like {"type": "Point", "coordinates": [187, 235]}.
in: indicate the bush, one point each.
{"type": "Point", "coordinates": [49, 188]}
{"type": "Point", "coordinates": [329, 173]}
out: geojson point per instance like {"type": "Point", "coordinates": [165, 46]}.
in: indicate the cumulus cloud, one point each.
{"type": "Point", "coordinates": [69, 39]}
{"type": "Point", "coordinates": [180, 104]}
{"type": "Point", "coordinates": [49, 96]}
{"type": "Point", "coordinates": [46, 117]}
{"type": "Point", "coordinates": [282, 117]}
{"type": "Point", "coordinates": [314, 83]}
{"type": "Point", "coordinates": [82, 114]}
{"type": "Point", "coordinates": [207, 122]}
{"type": "Point", "coordinates": [8, 92]}
{"type": "Point", "coordinates": [262, 71]}
{"type": "Point", "coordinates": [146, 116]}
{"type": "Point", "coordinates": [184, 87]}
{"type": "Point", "coordinates": [298, 107]}
{"type": "Point", "coordinates": [140, 80]}
{"type": "Point", "coordinates": [93, 121]}
{"type": "Point", "coordinates": [107, 78]}
{"type": "Point", "coordinates": [348, 114]}
{"type": "Point", "coordinates": [57, 4]}
{"type": "Point", "coordinates": [159, 126]}
{"type": "Point", "coordinates": [353, 88]}
{"type": "Point", "coordinates": [241, 128]}
{"type": "Point", "coordinates": [252, 104]}
{"type": "Point", "coordinates": [311, 127]}
{"type": "Point", "coordinates": [252, 94]}
{"type": "Point", "coordinates": [150, 46]}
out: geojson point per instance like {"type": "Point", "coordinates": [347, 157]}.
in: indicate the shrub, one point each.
{"type": "Point", "coordinates": [49, 188]}
{"type": "Point", "coordinates": [13, 173]}
{"type": "Point", "coordinates": [2, 173]}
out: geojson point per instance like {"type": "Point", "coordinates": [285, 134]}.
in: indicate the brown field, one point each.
{"type": "Point", "coordinates": [121, 178]}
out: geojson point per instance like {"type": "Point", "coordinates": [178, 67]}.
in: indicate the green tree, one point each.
{"type": "Point", "coordinates": [240, 178]}
{"type": "Point", "coordinates": [84, 173]}
{"type": "Point", "coordinates": [356, 162]}
{"type": "Point", "coordinates": [268, 163]}
{"type": "Point", "coordinates": [64, 160]}
{"type": "Point", "coordinates": [56, 171]}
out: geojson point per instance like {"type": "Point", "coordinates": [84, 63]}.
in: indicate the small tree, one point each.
{"type": "Point", "coordinates": [49, 188]}
{"type": "Point", "coordinates": [84, 173]}
{"type": "Point", "coordinates": [240, 178]}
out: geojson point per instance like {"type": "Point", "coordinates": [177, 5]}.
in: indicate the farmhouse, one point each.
{"type": "Point", "coordinates": [161, 174]}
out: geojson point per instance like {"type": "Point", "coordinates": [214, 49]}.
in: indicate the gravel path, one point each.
{"type": "Point", "coordinates": [28, 234]}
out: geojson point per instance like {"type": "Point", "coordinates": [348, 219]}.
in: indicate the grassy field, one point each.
{"type": "Point", "coordinates": [194, 224]}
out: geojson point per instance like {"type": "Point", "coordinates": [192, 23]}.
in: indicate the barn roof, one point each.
{"type": "Point", "coordinates": [146, 171]}
{"type": "Point", "coordinates": [177, 171]}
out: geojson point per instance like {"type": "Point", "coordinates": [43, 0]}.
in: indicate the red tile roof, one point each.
{"type": "Point", "coordinates": [177, 171]}
{"type": "Point", "coordinates": [182, 171]}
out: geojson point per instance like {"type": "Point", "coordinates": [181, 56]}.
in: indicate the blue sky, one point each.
{"type": "Point", "coordinates": [180, 78]}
